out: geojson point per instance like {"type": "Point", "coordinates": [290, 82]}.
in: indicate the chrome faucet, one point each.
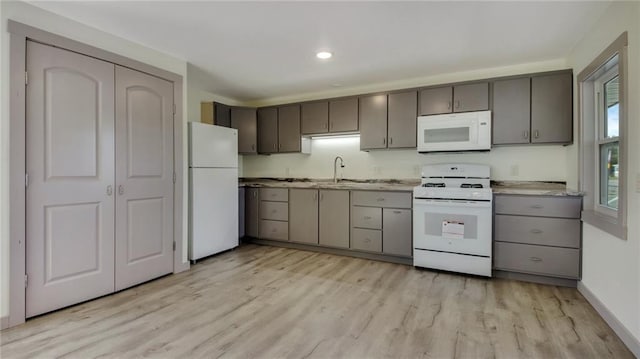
{"type": "Point", "coordinates": [335, 169]}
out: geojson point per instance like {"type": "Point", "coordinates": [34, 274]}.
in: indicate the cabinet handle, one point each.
{"type": "Point", "coordinates": [526, 134]}
{"type": "Point", "coordinates": [449, 105]}
{"type": "Point", "coordinates": [324, 125]}
{"type": "Point", "coordinates": [274, 146]}
{"type": "Point", "coordinates": [384, 141]}
{"type": "Point", "coordinates": [120, 190]}
{"type": "Point", "coordinates": [315, 197]}
{"type": "Point", "coordinates": [396, 212]}
{"type": "Point", "coordinates": [535, 259]}
{"type": "Point", "coordinates": [253, 147]}
{"type": "Point", "coordinates": [255, 194]}
{"type": "Point", "coordinates": [274, 211]}
{"type": "Point", "coordinates": [280, 146]}
{"type": "Point", "coordinates": [457, 104]}
{"type": "Point", "coordinates": [367, 240]}
{"type": "Point", "coordinates": [109, 190]}
{"type": "Point", "coordinates": [537, 206]}
{"type": "Point", "coordinates": [391, 140]}
{"type": "Point", "coordinates": [536, 134]}
{"type": "Point", "coordinates": [321, 196]}
{"type": "Point", "coordinates": [367, 217]}
{"type": "Point", "coordinates": [536, 231]}
{"type": "Point", "coordinates": [330, 125]}
{"type": "Point", "coordinates": [380, 200]}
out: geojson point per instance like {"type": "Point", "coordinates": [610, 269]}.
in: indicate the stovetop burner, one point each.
{"type": "Point", "coordinates": [432, 184]}
{"type": "Point", "coordinates": [471, 185]}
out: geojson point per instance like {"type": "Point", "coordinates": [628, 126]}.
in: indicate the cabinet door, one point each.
{"type": "Point", "coordinates": [315, 117]}
{"type": "Point", "coordinates": [396, 235]}
{"type": "Point", "coordinates": [268, 130]}
{"type": "Point", "coordinates": [221, 114]}
{"type": "Point", "coordinates": [334, 218]}
{"type": "Point", "coordinates": [471, 97]}
{"type": "Point", "coordinates": [403, 112]}
{"type": "Point", "coordinates": [552, 109]}
{"type": "Point", "coordinates": [303, 215]}
{"type": "Point", "coordinates": [373, 122]}
{"type": "Point", "coordinates": [251, 212]}
{"type": "Point", "coordinates": [343, 115]}
{"type": "Point", "coordinates": [511, 111]}
{"type": "Point", "coordinates": [206, 112]}
{"type": "Point", "coordinates": [244, 120]}
{"type": "Point", "coordinates": [435, 101]}
{"type": "Point", "coordinates": [289, 129]}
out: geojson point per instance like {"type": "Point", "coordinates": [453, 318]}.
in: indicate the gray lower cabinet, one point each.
{"type": "Point", "coordinates": [251, 218]}
{"type": "Point", "coordinates": [458, 98]}
{"type": "Point", "coordinates": [512, 111]}
{"type": "Point", "coordinates": [314, 117]}
{"type": "Point", "coordinates": [343, 115]}
{"type": "Point", "coordinates": [539, 235]}
{"type": "Point", "coordinates": [244, 119]}
{"type": "Point", "coordinates": [333, 218]}
{"type": "Point", "coordinates": [397, 233]}
{"type": "Point", "coordinates": [268, 130]}
{"type": "Point", "coordinates": [303, 215]}
{"type": "Point", "coordinates": [552, 108]}
{"type": "Point", "coordinates": [274, 213]}
{"type": "Point", "coordinates": [381, 222]}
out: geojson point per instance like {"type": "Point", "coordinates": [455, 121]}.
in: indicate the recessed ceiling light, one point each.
{"type": "Point", "coordinates": [324, 55]}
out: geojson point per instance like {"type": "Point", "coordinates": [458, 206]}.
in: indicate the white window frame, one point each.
{"type": "Point", "coordinates": [602, 139]}
{"type": "Point", "coordinates": [591, 120]}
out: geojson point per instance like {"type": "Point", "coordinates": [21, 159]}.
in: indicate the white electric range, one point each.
{"type": "Point", "coordinates": [452, 219]}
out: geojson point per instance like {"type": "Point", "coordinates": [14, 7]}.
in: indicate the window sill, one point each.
{"type": "Point", "coordinates": [605, 223]}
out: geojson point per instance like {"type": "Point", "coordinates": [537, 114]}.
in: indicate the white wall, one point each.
{"type": "Point", "coordinates": [544, 163]}
{"type": "Point", "coordinates": [31, 15]}
{"type": "Point", "coordinates": [611, 266]}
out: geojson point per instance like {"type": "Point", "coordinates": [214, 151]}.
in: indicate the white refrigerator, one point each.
{"type": "Point", "coordinates": [213, 189]}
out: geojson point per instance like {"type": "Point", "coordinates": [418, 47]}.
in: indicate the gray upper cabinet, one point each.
{"type": "Point", "coordinates": [315, 117]}
{"type": "Point", "coordinates": [268, 130]}
{"type": "Point", "coordinates": [222, 114]}
{"type": "Point", "coordinates": [289, 128]}
{"type": "Point", "coordinates": [471, 97]}
{"type": "Point", "coordinates": [251, 217]}
{"type": "Point", "coordinates": [303, 215]}
{"type": "Point", "coordinates": [343, 115]}
{"type": "Point", "coordinates": [403, 112]}
{"type": "Point", "coordinates": [551, 108]}
{"type": "Point", "coordinates": [373, 122]}
{"type": "Point", "coordinates": [434, 101]}
{"type": "Point", "coordinates": [245, 121]}
{"type": "Point", "coordinates": [511, 111]}
{"type": "Point", "coordinates": [334, 218]}
{"type": "Point", "coordinates": [459, 98]}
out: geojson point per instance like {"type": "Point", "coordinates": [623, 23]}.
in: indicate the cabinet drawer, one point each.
{"type": "Point", "coordinates": [278, 211]}
{"type": "Point", "coordinates": [274, 194]}
{"type": "Point", "coordinates": [564, 207]}
{"type": "Point", "coordinates": [369, 240]}
{"type": "Point", "coordinates": [552, 261]}
{"type": "Point", "coordinates": [366, 217]}
{"type": "Point", "coordinates": [561, 232]}
{"type": "Point", "coordinates": [277, 230]}
{"type": "Point", "coordinates": [381, 199]}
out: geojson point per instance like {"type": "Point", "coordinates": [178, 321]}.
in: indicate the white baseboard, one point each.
{"type": "Point", "coordinates": [4, 323]}
{"type": "Point", "coordinates": [625, 335]}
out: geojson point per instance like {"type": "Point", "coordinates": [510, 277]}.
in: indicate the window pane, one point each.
{"type": "Point", "coordinates": [611, 90]}
{"type": "Point", "coordinates": [609, 174]}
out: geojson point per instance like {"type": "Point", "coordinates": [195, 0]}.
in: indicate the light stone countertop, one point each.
{"type": "Point", "coordinates": [345, 184]}
{"type": "Point", "coordinates": [533, 188]}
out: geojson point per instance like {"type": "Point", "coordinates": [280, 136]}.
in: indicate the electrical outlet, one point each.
{"type": "Point", "coordinates": [515, 170]}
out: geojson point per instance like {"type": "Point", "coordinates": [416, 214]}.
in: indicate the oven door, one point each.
{"type": "Point", "coordinates": [453, 226]}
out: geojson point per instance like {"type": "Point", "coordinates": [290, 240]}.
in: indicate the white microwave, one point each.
{"type": "Point", "coordinates": [467, 131]}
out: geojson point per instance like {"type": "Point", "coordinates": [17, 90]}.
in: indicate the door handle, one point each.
{"type": "Point", "coordinates": [535, 259]}
{"type": "Point", "coordinates": [526, 134]}
{"type": "Point", "coordinates": [121, 190]}
{"type": "Point", "coordinates": [109, 190]}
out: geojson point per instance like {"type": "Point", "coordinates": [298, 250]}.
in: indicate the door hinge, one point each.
{"type": "Point", "coordinates": [174, 177]}
{"type": "Point", "coordinates": [174, 246]}
{"type": "Point", "coordinates": [26, 180]}
{"type": "Point", "coordinates": [26, 78]}
{"type": "Point", "coordinates": [26, 280]}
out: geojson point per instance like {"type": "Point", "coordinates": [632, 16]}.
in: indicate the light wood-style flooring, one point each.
{"type": "Point", "coordinates": [268, 302]}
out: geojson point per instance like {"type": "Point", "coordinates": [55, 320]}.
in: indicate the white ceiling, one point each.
{"type": "Point", "coordinates": [253, 51]}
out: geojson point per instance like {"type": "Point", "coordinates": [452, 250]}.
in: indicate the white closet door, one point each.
{"type": "Point", "coordinates": [144, 177]}
{"type": "Point", "coordinates": [70, 166]}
